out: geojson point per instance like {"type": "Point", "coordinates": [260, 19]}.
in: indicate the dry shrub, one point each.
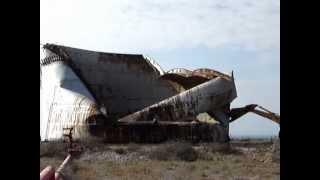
{"type": "Point", "coordinates": [120, 151]}
{"type": "Point", "coordinates": [51, 149]}
{"type": "Point", "coordinates": [276, 151]}
{"type": "Point", "coordinates": [185, 152]}
{"type": "Point", "coordinates": [223, 148]}
{"type": "Point", "coordinates": [205, 155]}
{"type": "Point", "coordinates": [162, 153]}
{"type": "Point", "coordinates": [240, 178]}
{"type": "Point", "coordinates": [214, 151]}
{"type": "Point", "coordinates": [174, 151]}
{"type": "Point", "coordinates": [133, 147]}
{"type": "Point", "coordinates": [75, 170]}
{"type": "Point", "coordinates": [68, 172]}
{"type": "Point", "coordinates": [93, 144]}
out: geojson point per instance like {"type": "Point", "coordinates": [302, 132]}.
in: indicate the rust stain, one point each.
{"type": "Point", "coordinates": [189, 79]}
{"type": "Point", "coordinates": [210, 74]}
{"type": "Point", "coordinates": [134, 62]}
{"type": "Point", "coordinates": [163, 131]}
{"type": "Point", "coordinates": [144, 103]}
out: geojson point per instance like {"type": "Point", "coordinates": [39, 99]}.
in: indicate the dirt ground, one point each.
{"type": "Point", "coordinates": [241, 159]}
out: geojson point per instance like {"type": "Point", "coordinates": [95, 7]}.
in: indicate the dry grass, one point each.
{"type": "Point", "coordinates": [133, 147]}
{"type": "Point", "coordinates": [213, 162]}
{"type": "Point", "coordinates": [120, 151]}
{"type": "Point", "coordinates": [51, 149]}
{"type": "Point", "coordinates": [174, 151]}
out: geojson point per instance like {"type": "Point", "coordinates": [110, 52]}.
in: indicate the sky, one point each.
{"type": "Point", "coordinates": [242, 36]}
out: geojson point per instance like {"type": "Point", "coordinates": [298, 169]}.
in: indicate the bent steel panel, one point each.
{"type": "Point", "coordinates": [189, 79]}
{"type": "Point", "coordinates": [122, 83]}
{"type": "Point", "coordinates": [76, 85]}
{"type": "Point", "coordinates": [206, 97]}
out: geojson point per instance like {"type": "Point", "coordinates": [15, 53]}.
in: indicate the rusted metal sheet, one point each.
{"type": "Point", "coordinates": [202, 72]}
{"type": "Point", "coordinates": [121, 83]}
{"type": "Point", "coordinates": [205, 97]}
{"type": "Point", "coordinates": [210, 74]}
{"type": "Point", "coordinates": [189, 79]}
{"type": "Point", "coordinates": [183, 81]}
{"type": "Point", "coordinates": [270, 115]}
{"type": "Point", "coordinates": [128, 97]}
{"type": "Point", "coordinates": [180, 71]}
{"type": "Point", "coordinates": [238, 112]}
{"type": "Point", "coordinates": [155, 133]}
{"type": "Point", "coordinates": [222, 115]}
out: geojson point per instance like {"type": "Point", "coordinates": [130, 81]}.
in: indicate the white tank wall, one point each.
{"type": "Point", "coordinates": [64, 102]}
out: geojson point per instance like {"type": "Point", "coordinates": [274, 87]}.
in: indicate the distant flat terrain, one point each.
{"type": "Point", "coordinates": [241, 159]}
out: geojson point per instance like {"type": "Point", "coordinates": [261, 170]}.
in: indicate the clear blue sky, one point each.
{"type": "Point", "coordinates": [242, 35]}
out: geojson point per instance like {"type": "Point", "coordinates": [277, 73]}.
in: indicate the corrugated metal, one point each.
{"type": "Point", "coordinates": [65, 101]}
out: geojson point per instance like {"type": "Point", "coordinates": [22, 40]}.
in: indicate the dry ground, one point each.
{"type": "Point", "coordinates": [173, 160]}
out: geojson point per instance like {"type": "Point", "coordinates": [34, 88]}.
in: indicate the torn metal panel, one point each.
{"type": "Point", "coordinates": [205, 97]}
{"type": "Point", "coordinates": [202, 72]}
{"type": "Point", "coordinates": [154, 64]}
{"type": "Point", "coordinates": [121, 83]}
{"type": "Point", "coordinates": [189, 79]}
{"type": "Point", "coordinates": [183, 81]}
{"type": "Point", "coordinates": [222, 115]}
{"type": "Point", "coordinates": [90, 91]}
{"type": "Point", "coordinates": [180, 71]}
{"type": "Point", "coordinates": [210, 74]}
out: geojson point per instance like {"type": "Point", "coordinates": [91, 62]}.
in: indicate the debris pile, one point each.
{"type": "Point", "coordinates": [130, 98]}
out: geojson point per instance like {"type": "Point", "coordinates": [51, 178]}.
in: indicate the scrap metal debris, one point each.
{"type": "Point", "coordinates": [128, 97]}
{"type": "Point", "coordinates": [238, 112]}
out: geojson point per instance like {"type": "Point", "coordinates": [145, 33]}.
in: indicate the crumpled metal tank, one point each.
{"type": "Point", "coordinates": [126, 95]}
{"type": "Point", "coordinates": [65, 101]}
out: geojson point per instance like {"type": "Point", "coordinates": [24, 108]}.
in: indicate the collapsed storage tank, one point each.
{"type": "Point", "coordinates": [128, 97]}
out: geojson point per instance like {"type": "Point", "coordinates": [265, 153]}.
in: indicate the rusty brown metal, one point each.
{"type": "Point", "coordinates": [185, 82]}
{"type": "Point", "coordinates": [238, 112]}
{"type": "Point", "coordinates": [272, 116]}
{"type": "Point", "coordinates": [148, 132]}
{"type": "Point", "coordinates": [181, 71]}
{"type": "Point", "coordinates": [211, 95]}
{"type": "Point", "coordinates": [122, 97]}
{"type": "Point", "coordinates": [108, 76]}
{"type": "Point", "coordinates": [189, 79]}
{"type": "Point", "coordinates": [210, 74]}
